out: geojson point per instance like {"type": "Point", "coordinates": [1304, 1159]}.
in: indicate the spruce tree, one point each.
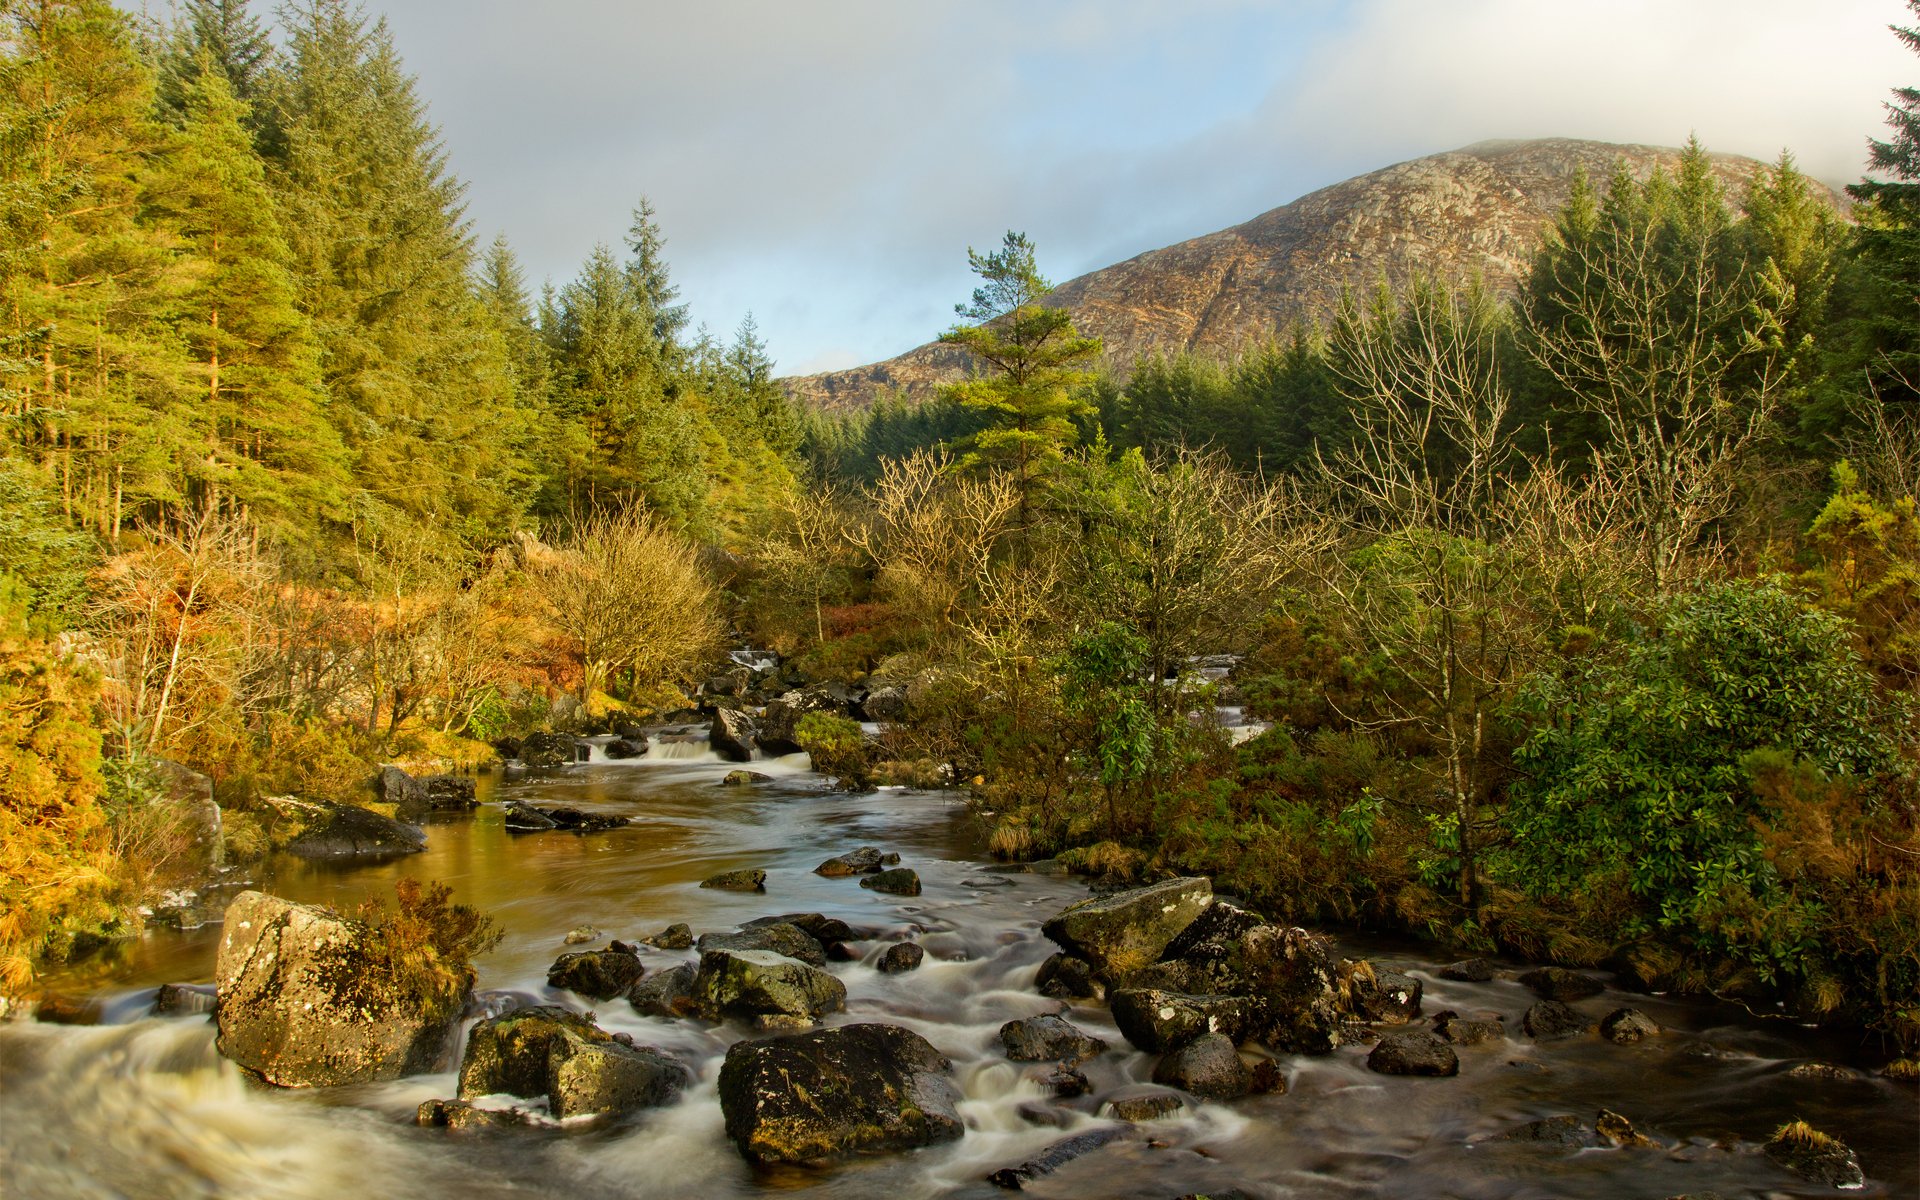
{"type": "Point", "coordinates": [1034, 360]}
{"type": "Point", "coordinates": [225, 32]}
{"type": "Point", "coordinates": [651, 280]}
{"type": "Point", "coordinates": [255, 365]}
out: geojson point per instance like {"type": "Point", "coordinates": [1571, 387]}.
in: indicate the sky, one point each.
{"type": "Point", "coordinates": [826, 164]}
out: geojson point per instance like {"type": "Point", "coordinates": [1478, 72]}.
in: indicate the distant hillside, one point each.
{"type": "Point", "coordinates": [1482, 209]}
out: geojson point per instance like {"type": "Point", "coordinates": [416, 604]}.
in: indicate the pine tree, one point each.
{"type": "Point", "coordinates": [256, 367]}
{"type": "Point", "coordinates": [228, 34]}
{"type": "Point", "coordinates": [652, 282]}
{"type": "Point", "coordinates": [380, 247]}
{"type": "Point", "coordinates": [1035, 361]}
{"type": "Point", "coordinates": [764, 403]}
{"type": "Point", "coordinates": [502, 288]}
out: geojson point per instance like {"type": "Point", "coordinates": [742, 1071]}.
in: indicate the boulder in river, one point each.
{"type": "Point", "coordinates": [1221, 922]}
{"type": "Point", "coordinates": [599, 974]}
{"type": "Point", "coordinates": [450, 793]}
{"type": "Point", "coordinates": [1624, 1026]}
{"type": "Point", "coordinates": [1143, 1104]}
{"type": "Point", "coordinates": [1125, 931]}
{"type": "Point", "coordinates": [834, 1092]}
{"type": "Point", "coordinates": [780, 723]}
{"type": "Point", "coordinates": [1158, 1021]}
{"type": "Point", "coordinates": [407, 795]}
{"type": "Point", "coordinates": [621, 749]}
{"type": "Point", "coordinates": [1289, 974]}
{"type": "Point", "coordinates": [303, 1003]}
{"type": "Point", "coordinates": [318, 829]}
{"type": "Point", "coordinates": [732, 735]}
{"type": "Point", "coordinates": [1208, 1066]}
{"type": "Point", "coordinates": [1048, 1038]}
{"type": "Point", "coordinates": [549, 750]}
{"type": "Point", "coordinates": [461, 1117]}
{"type": "Point", "coordinates": [1463, 1032]}
{"type": "Point", "coordinates": [751, 983]}
{"type": "Point", "coordinates": [1382, 996]}
{"type": "Point", "coordinates": [900, 957]}
{"type": "Point", "coordinates": [864, 861]}
{"type": "Point", "coordinates": [1811, 1154]}
{"type": "Point", "coordinates": [1561, 1132]}
{"type": "Point", "coordinates": [667, 993]}
{"type": "Point", "coordinates": [522, 817]}
{"type": "Point", "coordinates": [900, 881]}
{"type": "Point", "coordinates": [1059, 1154]}
{"type": "Point", "coordinates": [744, 778]}
{"type": "Point", "coordinates": [1550, 1020]}
{"type": "Point", "coordinates": [1469, 970]}
{"type": "Point", "coordinates": [780, 937]}
{"type": "Point", "coordinates": [737, 881]}
{"type": "Point", "coordinates": [1064, 977]}
{"type": "Point", "coordinates": [181, 999]}
{"type": "Point", "coordinates": [1413, 1052]}
{"type": "Point", "coordinates": [818, 926]}
{"type": "Point", "coordinates": [677, 936]}
{"type": "Point", "coordinates": [1558, 983]}
{"type": "Point", "coordinates": [563, 1056]}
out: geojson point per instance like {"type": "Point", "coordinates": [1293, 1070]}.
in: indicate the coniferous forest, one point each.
{"type": "Point", "coordinates": [1576, 625]}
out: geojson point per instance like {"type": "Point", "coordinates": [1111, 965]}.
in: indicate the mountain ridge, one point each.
{"type": "Point", "coordinates": [1478, 210]}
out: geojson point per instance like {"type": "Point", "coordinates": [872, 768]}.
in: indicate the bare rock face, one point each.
{"type": "Point", "coordinates": [301, 1004]}
{"type": "Point", "coordinates": [1479, 210]}
{"type": "Point", "coordinates": [833, 1092]}
{"type": "Point", "coordinates": [1128, 930]}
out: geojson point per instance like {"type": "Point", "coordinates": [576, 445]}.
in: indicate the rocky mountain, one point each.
{"type": "Point", "coordinates": [1482, 209]}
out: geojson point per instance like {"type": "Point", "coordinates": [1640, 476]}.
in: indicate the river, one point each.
{"type": "Point", "coordinates": [143, 1107]}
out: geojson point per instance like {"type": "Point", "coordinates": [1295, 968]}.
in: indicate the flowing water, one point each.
{"type": "Point", "coordinates": [141, 1106]}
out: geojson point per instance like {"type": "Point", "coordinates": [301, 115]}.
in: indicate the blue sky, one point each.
{"type": "Point", "coordinates": [827, 164]}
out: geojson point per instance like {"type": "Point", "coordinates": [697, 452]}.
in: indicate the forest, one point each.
{"type": "Point", "coordinates": [1587, 619]}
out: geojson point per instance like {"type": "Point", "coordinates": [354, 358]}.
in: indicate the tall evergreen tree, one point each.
{"type": "Point", "coordinates": [1035, 362]}
{"type": "Point", "coordinates": [652, 281]}
{"type": "Point", "coordinates": [255, 365]}
{"type": "Point", "coordinates": [228, 34]}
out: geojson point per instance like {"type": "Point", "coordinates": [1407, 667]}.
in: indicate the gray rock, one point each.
{"type": "Point", "coordinates": [888, 703]}
{"type": "Point", "coordinates": [780, 722]}
{"type": "Point", "coordinates": [599, 974]}
{"type": "Point", "coordinates": [1383, 996]}
{"type": "Point", "coordinates": [1468, 1033]}
{"type": "Point", "coordinates": [450, 793]}
{"type": "Point", "coordinates": [1141, 1104]}
{"type": "Point", "coordinates": [462, 1117]}
{"type": "Point", "coordinates": [621, 749]}
{"type": "Point", "coordinates": [580, 935]}
{"type": "Point", "coordinates": [834, 1092]}
{"type": "Point", "coordinates": [737, 881]}
{"type": "Point", "coordinates": [1413, 1052]}
{"type": "Point", "coordinates": [1222, 921]}
{"type": "Point", "coordinates": [1469, 970]}
{"type": "Point", "coordinates": [182, 999]}
{"type": "Point", "coordinates": [864, 861]}
{"type": "Point", "coordinates": [1126, 931]}
{"type": "Point", "coordinates": [599, 1076]}
{"type": "Point", "coordinates": [899, 881]}
{"type": "Point", "coordinates": [732, 735]}
{"type": "Point", "coordinates": [408, 797]}
{"type": "Point", "coordinates": [1015, 1179]}
{"type": "Point", "coordinates": [1048, 1037]}
{"type": "Point", "coordinates": [302, 1003]}
{"type": "Point", "coordinates": [818, 926]}
{"type": "Point", "coordinates": [779, 937]}
{"type": "Point", "coordinates": [527, 818]}
{"type": "Point", "coordinates": [317, 829]}
{"type": "Point", "coordinates": [507, 1054]}
{"type": "Point", "coordinates": [1064, 977]}
{"type": "Point", "coordinates": [1624, 1026]}
{"type": "Point", "coordinates": [899, 957]}
{"type": "Point", "coordinates": [1208, 1066]}
{"type": "Point", "coordinates": [191, 793]}
{"type": "Point", "coordinates": [677, 936]}
{"type": "Point", "coordinates": [744, 779]}
{"type": "Point", "coordinates": [1158, 1021]}
{"type": "Point", "coordinates": [1549, 1020]}
{"type": "Point", "coordinates": [667, 993]}
{"type": "Point", "coordinates": [549, 750]}
{"type": "Point", "coordinates": [1558, 983]}
{"type": "Point", "coordinates": [749, 983]}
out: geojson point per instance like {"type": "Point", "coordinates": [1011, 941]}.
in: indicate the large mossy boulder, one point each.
{"type": "Point", "coordinates": [780, 724]}
{"type": "Point", "coordinates": [1160, 1021]}
{"type": "Point", "coordinates": [1125, 931]}
{"type": "Point", "coordinates": [835, 1092]}
{"type": "Point", "coordinates": [1049, 1038]}
{"type": "Point", "coordinates": [598, 974]}
{"type": "Point", "coordinates": [732, 735]}
{"type": "Point", "coordinates": [563, 1057]}
{"type": "Point", "coordinates": [319, 829]}
{"type": "Point", "coordinates": [549, 750]}
{"type": "Point", "coordinates": [760, 983]}
{"type": "Point", "coordinates": [303, 1000]}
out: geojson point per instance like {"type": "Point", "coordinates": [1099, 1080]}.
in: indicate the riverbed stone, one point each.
{"type": "Point", "coordinates": [667, 993]}
{"type": "Point", "coordinates": [302, 1003]}
{"type": "Point", "coordinates": [621, 749]}
{"type": "Point", "coordinates": [548, 750]}
{"type": "Point", "coordinates": [181, 999]}
{"type": "Point", "coordinates": [1048, 1037]}
{"type": "Point", "coordinates": [599, 974]}
{"type": "Point", "coordinates": [900, 957]}
{"type": "Point", "coordinates": [1208, 1066]}
{"type": "Point", "coordinates": [732, 735]}
{"type": "Point", "coordinates": [322, 830]}
{"type": "Point", "coordinates": [1125, 931]}
{"type": "Point", "coordinates": [1059, 1154]}
{"type": "Point", "coordinates": [462, 1117]}
{"type": "Point", "coordinates": [1811, 1154]}
{"type": "Point", "coordinates": [1624, 1026]}
{"type": "Point", "coordinates": [1289, 973]}
{"type": "Point", "coordinates": [864, 861]}
{"type": "Point", "coordinates": [1463, 1032]}
{"type": "Point", "coordinates": [780, 937]}
{"type": "Point", "coordinates": [750, 983]}
{"type": "Point", "coordinates": [1564, 1132]}
{"type": "Point", "coordinates": [1143, 1104]}
{"type": "Point", "coordinates": [521, 817]}
{"type": "Point", "coordinates": [392, 785]}
{"type": "Point", "coordinates": [580, 935]}
{"type": "Point", "coordinates": [1469, 970]}
{"type": "Point", "coordinates": [597, 1076]}
{"type": "Point", "coordinates": [1064, 977]}
{"type": "Point", "coordinates": [744, 778]}
{"type": "Point", "coordinates": [1159, 1021]}
{"type": "Point", "coordinates": [1222, 922]}
{"type": "Point", "coordinates": [779, 724]}
{"type": "Point", "coordinates": [1550, 1020]}
{"type": "Point", "coordinates": [834, 1092]}
{"type": "Point", "coordinates": [507, 1054]}
{"type": "Point", "coordinates": [677, 936]}
{"type": "Point", "coordinates": [818, 926]}
{"type": "Point", "coordinates": [1558, 983]}
{"type": "Point", "coordinates": [1413, 1052]}
{"type": "Point", "coordinates": [898, 881]}
{"type": "Point", "coordinates": [737, 881]}
{"type": "Point", "coordinates": [450, 793]}
{"type": "Point", "coordinates": [1619, 1131]}
{"type": "Point", "coordinates": [1381, 995]}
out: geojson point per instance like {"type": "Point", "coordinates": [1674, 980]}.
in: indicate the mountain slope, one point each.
{"type": "Point", "coordinates": [1481, 209]}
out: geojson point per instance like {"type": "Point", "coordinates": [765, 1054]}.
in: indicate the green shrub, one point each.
{"type": "Point", "coordinates": [837, 746]}
{"type": "Point", "coordinates": [422, 948]}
